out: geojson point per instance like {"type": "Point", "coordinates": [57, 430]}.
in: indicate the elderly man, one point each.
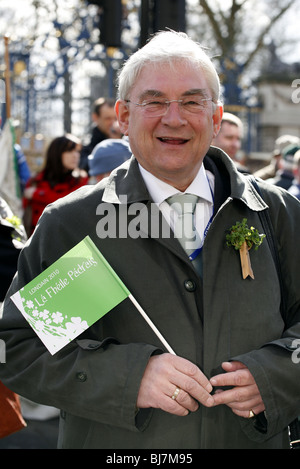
{"type": "Point", "coordinates": [231, 378]}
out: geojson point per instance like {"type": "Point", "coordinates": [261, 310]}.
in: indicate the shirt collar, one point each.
{"type": "Point", "coordinates": [202, 186]}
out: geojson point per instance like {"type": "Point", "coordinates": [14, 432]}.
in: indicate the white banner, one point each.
{"type": "Point", "coordinates": [9, 180]}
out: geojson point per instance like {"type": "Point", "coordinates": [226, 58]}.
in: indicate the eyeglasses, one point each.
{"type": "Point", "coordinates": [159, 107]}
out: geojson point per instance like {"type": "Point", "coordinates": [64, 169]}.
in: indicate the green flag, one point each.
{"type": "Point", "coordinates": [70, 295]}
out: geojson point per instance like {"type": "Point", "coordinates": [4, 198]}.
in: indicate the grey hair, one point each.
{"type": "Point", "coordinates": [168, 47]}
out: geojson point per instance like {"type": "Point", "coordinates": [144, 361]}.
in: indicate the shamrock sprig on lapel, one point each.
{"type": "Point", "coordinates": [243, 238]}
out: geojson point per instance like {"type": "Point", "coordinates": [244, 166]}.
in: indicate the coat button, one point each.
{"type": "Point", "coordinates": [93, 346]}
{"type": "Point", "coordinates": [293, 346]}
{"type": "Point", "coordinates": [81, 376]}
{"type": "Point", "coordinates": [190, 285]}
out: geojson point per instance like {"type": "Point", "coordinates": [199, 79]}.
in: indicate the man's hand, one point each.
{"type": "Point", "coordinates": [163, 374]}
{"type": "Point", "coordinates": [244, 395]}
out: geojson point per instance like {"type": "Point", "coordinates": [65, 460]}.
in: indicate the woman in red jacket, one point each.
{"type": "Point", "coordinates": [59, 177]}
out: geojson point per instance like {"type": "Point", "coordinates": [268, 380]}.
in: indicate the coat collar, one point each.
{"type": "Point", "coordinates": [237, 184]}
{"type": "Point", "coordinates": [127, 181]}
{"type": "Point", "coordinates": [126, 185]}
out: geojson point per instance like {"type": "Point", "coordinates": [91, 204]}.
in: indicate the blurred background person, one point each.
{"type": "Point", "coordinates": [23, 168]}
{"type": "Point", "coordinates": [12, 239]}
{"type": "Point", "coordinates": [269, 171]}
{"type": "Point", "coordinates": [285, 174]}
{"type": "Point", "coordinates": [106, 156]}
{"type": "Point", "coordinates": [41, 431]}
{"type": "Point", "coordinates": [59, 177]}
{"type": "Point", "coordinates": [295, 187]}
{"type": "Point", "coordinates": [230, 137]}
{"type": "Point", "coordinates": [115, 131]}
{"type": "Point", "coordinates": [104, 118]}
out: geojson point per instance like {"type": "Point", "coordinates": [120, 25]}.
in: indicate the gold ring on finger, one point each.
{"type": "Point", "coordinates": [175, 394]}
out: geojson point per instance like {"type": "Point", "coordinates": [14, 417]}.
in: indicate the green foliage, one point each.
{"type": "Point", "coordinates": [240, 233]}
{"type": "Point", "coordinates": [14, 220]}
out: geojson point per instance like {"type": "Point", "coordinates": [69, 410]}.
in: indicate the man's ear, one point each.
{"type": "Point", "coordinates": [95, 117]}
{"type": "Point", "coordinates": [122, 113]}
{"type": "Point", "coordinates": [217, 119]}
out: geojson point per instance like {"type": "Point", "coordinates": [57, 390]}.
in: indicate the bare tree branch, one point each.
{"type": "Point", "coordinates": [225, 41]}
{"type": "Point", "coordinates": [215, 25]}
{"type": "Point", "coordinates": [231, 21]}
{"type": "Point", "coordinates": [265, 31]}
{"type": "Point", "coordinates": [226, 25]}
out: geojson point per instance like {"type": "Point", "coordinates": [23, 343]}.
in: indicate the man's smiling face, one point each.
{"type": "Point", "coordinates": [171, 147]}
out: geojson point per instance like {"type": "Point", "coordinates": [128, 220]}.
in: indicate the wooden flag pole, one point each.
{"type": "Point", "coordinates": [153, 327]}
{"type": "Point", "coordinates": [7, 78]}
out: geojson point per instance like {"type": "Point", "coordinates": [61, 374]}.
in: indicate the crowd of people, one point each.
{"type": "Point", "coordinates": [232, 382]}
{"type": "Point", "coordinates": [283, 168]}
{"type": "Point", "coordinates": [68, 165]}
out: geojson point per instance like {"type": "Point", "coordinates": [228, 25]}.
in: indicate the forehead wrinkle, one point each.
{"type": "Point", "coordinates": [156, 93]}
{"type": "Point", "coordinates": [196, 91]}
{"type": "Point", "coordinates": [151, 94]}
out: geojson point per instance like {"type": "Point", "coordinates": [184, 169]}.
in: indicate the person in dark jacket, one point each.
{"type": "Point", "coordinates": [104, 119]}
{"type": "Point", "coordinates": [285, 175]}
{"type": "Point", "coordinates": [227, 374]}
{"type": "Point", "coordinates": [295, 187]}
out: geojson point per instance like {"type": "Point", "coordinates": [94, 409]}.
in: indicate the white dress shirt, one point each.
{"type": "Point", "coordinates": [202, 186]}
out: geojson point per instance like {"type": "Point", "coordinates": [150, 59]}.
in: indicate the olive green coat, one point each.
{"type": "Point", "coordinates": [95, 380]}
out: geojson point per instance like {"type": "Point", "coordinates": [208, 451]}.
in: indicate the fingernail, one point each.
{"type": "Point", "coordinates": [213, 381]}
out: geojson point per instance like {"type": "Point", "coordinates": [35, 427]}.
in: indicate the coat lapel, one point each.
{"type": "Point", "coordinates": [126, 186]}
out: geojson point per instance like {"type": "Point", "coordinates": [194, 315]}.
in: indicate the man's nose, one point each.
{"type": "Point", "coordinates": [173, 115]}
{"type": "Point", "coordinates": [237, 143]}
